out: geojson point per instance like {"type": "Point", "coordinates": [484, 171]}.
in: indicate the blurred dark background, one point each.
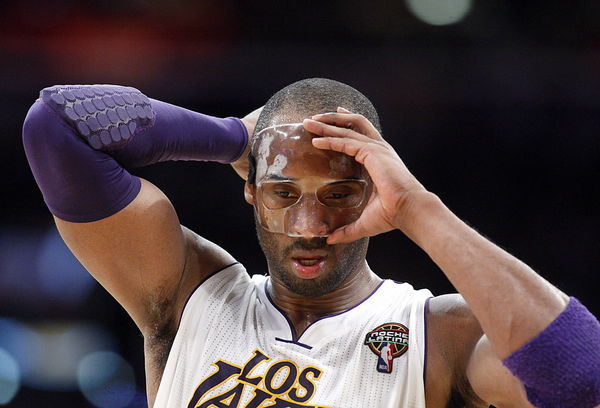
{"type": "Point", "coordinates": [493, 105]}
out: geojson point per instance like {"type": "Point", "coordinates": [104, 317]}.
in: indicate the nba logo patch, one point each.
{"type": "Point", "coordinates": [388, 341]}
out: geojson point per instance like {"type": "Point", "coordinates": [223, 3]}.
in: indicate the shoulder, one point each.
{"type": "Point", "coordinates": [452, 334]}
{"type": "Point", "coordinates": [203, 259]}
{"type": "Point", "coordinates": [451, 325]}
{"type": "Point", "coordinates": [448, 311]}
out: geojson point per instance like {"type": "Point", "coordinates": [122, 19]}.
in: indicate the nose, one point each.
{"type": "Point", "coordinates": [308, 218]}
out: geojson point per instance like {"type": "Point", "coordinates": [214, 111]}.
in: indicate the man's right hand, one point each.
{"type": "Point", "coordinates": [241, 165]}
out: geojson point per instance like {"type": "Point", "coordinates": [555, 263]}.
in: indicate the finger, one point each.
{"type": "Point", "coordinates": [326, 130]}
{"type": "Point", "coordinates": [347, 119]}
{"type": "Point", "coordinates": [351, 147]}
{"type": "Point", "coordinates": [350, 120]}
{"type": "Point", "coordinates": [347, 233]}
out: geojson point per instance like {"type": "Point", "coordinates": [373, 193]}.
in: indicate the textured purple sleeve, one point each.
{"type": "Point", "coordinates": [78, 138]}
{"type": "Point", "coordinates": [181, 134]}
{"type": "Point", "coordinates": [560, 367]}
{"type": "Point", "coordinates": [79, 184]}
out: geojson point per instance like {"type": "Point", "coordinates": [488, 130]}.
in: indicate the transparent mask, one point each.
{"type": "Point", "coordinates": [309, 208]}
{"type": "Point", "coordinates": [302, 191]}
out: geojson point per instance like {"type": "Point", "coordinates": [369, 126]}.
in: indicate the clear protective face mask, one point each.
{"type": "Point", "coordinates": [302, 191]}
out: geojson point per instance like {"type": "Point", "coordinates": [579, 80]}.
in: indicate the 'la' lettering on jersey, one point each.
{"type": "Point", "coordinates": [283, 385]}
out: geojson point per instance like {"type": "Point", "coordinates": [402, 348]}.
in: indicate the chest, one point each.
{"type": "Point", "coordinates": [339, 368]}
{"type": "Point", "coordinates": [245, 355]}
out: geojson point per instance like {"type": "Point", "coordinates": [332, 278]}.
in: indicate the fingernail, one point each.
{"type": "Point", "coordinates": [316, 116]}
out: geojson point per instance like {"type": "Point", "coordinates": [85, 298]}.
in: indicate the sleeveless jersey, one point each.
{"type": "Point", "coordinates": [234, 348]}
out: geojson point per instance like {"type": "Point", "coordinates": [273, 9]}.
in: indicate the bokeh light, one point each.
{"type": "Point", "coordinates": [440, 12]}
{"type": "Point", "coordinates": [106, 380]}
{"type": "Point", "coordinates": [22, 343]}
{"type": "Point", "coordinates": [10, 380]}
{"type": "Point", "coordinates": [37, 268]}
{"type": "Point", "coordinates": [48, 353]}
{"type": "Point", "coordinates": [61, 277]}
{"type": "Point", "coordinates": [65, 345]}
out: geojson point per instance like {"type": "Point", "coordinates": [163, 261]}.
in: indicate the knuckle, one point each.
{"type": "Point", "coordinates": [338, 144]}
{"type": "Point", "coordinates": [320, 130]}
{"type": "Point", "coordinates": [356, 118]}
{"type": "Point", "coordinates": [348, 132]}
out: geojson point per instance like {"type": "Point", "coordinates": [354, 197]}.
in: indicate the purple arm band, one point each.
{"type": "Point", "coordinates": [78, 139]}
{"type": "Point", "coordinates": [560, 367]}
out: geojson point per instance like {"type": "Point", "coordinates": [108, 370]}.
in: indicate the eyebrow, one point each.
{"type": "Point", "coordinates": [278, 177]}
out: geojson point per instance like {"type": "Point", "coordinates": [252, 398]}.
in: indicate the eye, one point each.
{"type": "Point", "coordinates": [345, 194]}
{"type": "Point", "coordinates": [338, 196]}
{"type": "Point", "coordinates": [278, 195]}
{"type": "Point", "coordinates": [284, 194]}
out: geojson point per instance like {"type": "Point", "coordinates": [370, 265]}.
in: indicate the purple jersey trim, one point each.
{"type": "Point", "coordinates": [425, 336]}
{"type": "Point", "coordinates": [292, 329]}
{"type": "Point", "coordinates": [306, 346]}
{"type": "Point", "coordinates": [295, 337]}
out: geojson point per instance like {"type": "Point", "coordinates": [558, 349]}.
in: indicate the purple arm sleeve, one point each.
{"type": "Point", "coordinates": [560, 367]}
{"type": "Point", "coordinates": [78, 139]}
{"type": "Point", "coordinates": [181, 134]}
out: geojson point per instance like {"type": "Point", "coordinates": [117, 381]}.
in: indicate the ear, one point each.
{"type": "Point", "coordinates": [249, 190]}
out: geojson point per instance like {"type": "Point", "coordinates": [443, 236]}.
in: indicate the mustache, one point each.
{"type": "Point", "coordinates": [307, 244]}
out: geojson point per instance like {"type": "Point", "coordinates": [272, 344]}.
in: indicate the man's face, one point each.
{"type": "Point", "coordinates": [301, 195]}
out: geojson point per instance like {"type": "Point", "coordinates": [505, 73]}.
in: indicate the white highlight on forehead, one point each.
{"type": "Point", "coordinates": [264, 149]}
{"type": "Point", "coordinates": [296, 124]}
{"type": "Point", "coordinates": [278, 165]}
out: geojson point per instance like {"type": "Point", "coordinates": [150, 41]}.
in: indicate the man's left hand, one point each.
{"type": "Point", "coordinates": [395, 188]}
{"type": "Point", "coordinates": [241, 165]}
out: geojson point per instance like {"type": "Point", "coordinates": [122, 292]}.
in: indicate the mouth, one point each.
{"type": "Point", "coordinates": [309, 266]}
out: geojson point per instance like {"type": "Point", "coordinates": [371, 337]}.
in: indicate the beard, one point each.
{"type": "Point", "coordinates": [342, 261]}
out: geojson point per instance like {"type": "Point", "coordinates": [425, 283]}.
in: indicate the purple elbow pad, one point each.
{"type": "Point", "coordinates": [560, 367]}
{"type": "Point", "coordinates": [78, 138]}
{"type": "Point", "coordinates": [79, 184]}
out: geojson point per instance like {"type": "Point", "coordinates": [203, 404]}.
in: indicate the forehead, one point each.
{"type": "Point", "coordinates": [286, 151]}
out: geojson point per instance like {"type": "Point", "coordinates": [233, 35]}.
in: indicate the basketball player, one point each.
{"type": "Point", "coordinates": [320, 329]}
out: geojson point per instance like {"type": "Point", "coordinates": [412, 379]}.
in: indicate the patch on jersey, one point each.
{"type": "Point", "coordinates": [388, 341]}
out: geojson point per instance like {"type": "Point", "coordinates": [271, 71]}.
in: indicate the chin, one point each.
{"type": "Point", "coordinates": [311, 288]}
{"type": "Point", "coordinates": [340, 262]}
{"type": "Point", "coordinates": [325, 283]}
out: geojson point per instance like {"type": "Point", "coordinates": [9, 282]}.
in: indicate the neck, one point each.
{"type": "Point", "coordinates": [302, 310]}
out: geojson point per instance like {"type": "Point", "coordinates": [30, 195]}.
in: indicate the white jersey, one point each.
{"type": "Point", "coordinates": [235, 348]}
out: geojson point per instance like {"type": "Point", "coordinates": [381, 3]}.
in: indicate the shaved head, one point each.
{"type": "Point", "coordinates": [306, 98]}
